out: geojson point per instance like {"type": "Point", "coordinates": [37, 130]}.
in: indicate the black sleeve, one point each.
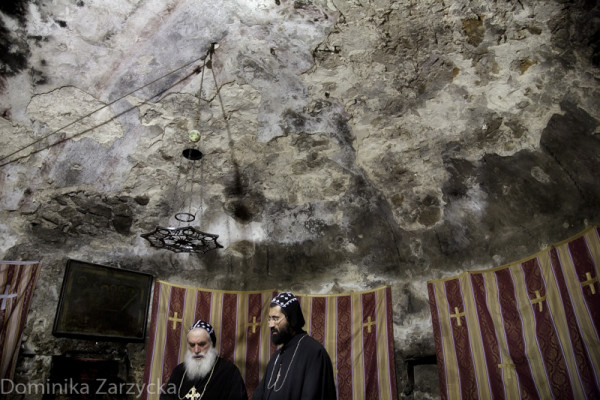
{"type": "Point", "coordinates": [169, 391]}
{"type": "Point", "coordinates": [259, 392]}
{"type": "Point", "coordinates": [237, 386]}
{"type": "Point", "coordinates": [319, 383]}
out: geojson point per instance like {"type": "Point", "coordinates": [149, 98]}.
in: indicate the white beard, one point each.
{"type": "Point", "coordinates": [200, 368]}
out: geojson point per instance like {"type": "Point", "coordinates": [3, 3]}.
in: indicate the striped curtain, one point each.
{"type": "Point", "coordinates": [355, 329]}
{"type": "Point", "coordinates": [17, 282]}
{"type": "Point", "coordinates": [525, 330]}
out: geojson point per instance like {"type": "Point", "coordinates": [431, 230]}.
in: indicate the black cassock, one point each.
{"type": "Point", "coordinates": [304, 369]}
{"type": "Point", "coordinates": [226, 383]}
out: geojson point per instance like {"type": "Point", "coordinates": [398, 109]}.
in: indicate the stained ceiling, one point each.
{"type": "Point", "coordinates": [347, 144]}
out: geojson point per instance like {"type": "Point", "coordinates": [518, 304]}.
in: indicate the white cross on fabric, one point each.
{"type": "Point", "coordinates": [6, 296]}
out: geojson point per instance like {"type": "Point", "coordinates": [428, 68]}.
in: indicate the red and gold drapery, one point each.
{"type": "Point", "coordinates": [17, 282]}
{"type": "Point", "coordinates": [529, 329]}
{"type": "Point", "coordinates": [355, 329]}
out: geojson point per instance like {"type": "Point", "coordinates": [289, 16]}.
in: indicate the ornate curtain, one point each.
{"type": "Point", "coordinates": [525, 330]}
{"type": "Point", "coordinates": [17, 282]}
{"type": "Point", "coordinates": [355, 329]}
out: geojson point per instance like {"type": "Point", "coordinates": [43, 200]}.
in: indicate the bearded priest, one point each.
{"type": "Point", "coordinates": [301, 368]}
{"type": "Point", "coordinates": [204, 375]}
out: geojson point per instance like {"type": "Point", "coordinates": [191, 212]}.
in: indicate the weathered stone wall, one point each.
{"type": "Point", "coordinates": [365, 143]}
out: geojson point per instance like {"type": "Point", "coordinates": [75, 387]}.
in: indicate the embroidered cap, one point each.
{"type": "Point", "coordinates": [290, 306]}
{"type": "Point", "coordinates": [284, 299]}
{"type": "Point", "coordinates": [207, 327]}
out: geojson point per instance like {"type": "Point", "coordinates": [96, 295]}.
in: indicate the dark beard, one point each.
{"type": "Point", "coordinates": [283, 336]}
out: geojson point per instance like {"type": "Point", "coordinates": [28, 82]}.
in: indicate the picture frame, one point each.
{"type": "Point", "coordinates": [103, 303]}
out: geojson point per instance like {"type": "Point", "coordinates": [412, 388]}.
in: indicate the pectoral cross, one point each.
{"type": "Point", "coordinates": [193, 394]}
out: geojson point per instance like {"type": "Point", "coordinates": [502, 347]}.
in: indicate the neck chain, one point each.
{"type": "Point", "coordinates": [274, 385]}
{"type": "Point", "coordinates": [195, 395]}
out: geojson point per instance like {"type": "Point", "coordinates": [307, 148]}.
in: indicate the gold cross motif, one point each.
{"type": "Point", "coordinates": [193, 394]}
{"type": "Point", "coordinates": [175, 320]}
{"type": "Point", "coordinates": [457, 315]}
{"type": "Point", "coordinates": [509, 366]}
{"type": "Point", "coordinates": [590, 282]}
{"type": "Point", "coordinates": [368, 324]}
{"type": "Point", "coordinates": [254, 324]}
{"type": "Point", "coordinates": [538, 300]}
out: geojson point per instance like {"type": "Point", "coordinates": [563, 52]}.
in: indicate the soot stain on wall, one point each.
{"type": "Point", "coordinates": [14, 52]}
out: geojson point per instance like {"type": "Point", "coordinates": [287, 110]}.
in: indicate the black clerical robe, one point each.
{"type": "Point", "coordinates": [304, 369]}
{"type": "Point", "coordinates": [226, 383]}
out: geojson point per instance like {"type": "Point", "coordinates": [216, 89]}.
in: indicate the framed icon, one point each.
{"type": "Point", "coordinates": [103, 303]}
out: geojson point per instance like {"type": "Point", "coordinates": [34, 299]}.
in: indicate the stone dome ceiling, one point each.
{"type": "Point", "coordinates": [347, 144]}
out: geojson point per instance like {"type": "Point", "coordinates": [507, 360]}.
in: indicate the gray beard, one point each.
{"type": "Point", "coordinates": [200, 368]}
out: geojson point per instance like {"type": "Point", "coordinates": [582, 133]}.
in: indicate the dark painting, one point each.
{"type": "Point", "coordinates": [103, 303]}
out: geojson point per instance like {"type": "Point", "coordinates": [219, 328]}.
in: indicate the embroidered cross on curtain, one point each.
{"type": "Point", "coordinates": [356, 329]}
{"type": "Point", "coordinates": [525, 330]}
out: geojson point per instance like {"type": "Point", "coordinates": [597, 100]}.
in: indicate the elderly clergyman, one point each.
{"type": "Point", "coordinates": [301, 367]}
{"type": "Point", "coordinates": [204, 375]}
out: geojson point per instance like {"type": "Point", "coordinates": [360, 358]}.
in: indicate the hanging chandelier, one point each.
{"type": "Point", "coordinates": [187, 239]}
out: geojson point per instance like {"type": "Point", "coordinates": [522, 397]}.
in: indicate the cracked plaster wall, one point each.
{"type": "Point", "coordinates": [365, 143]}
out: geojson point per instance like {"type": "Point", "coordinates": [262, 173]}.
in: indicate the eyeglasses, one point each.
{"type": "Point", "coordinates": [276, 319]}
